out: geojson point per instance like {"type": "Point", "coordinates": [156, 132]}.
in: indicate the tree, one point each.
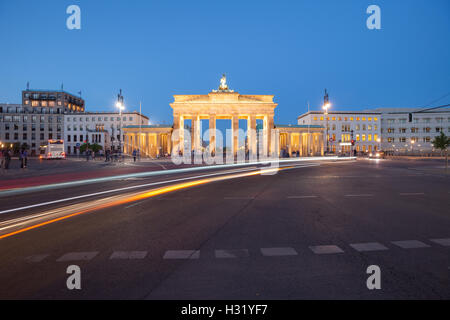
{"type": "Point", "coordinates": [442, 142]}
{"type": "Point", "coordinates": [93, 147]}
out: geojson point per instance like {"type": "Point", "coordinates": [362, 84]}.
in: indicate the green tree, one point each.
{"type": "Point", "coordinates": [442, 142]}
{"type": "Point", "coordinates": [93, 147]}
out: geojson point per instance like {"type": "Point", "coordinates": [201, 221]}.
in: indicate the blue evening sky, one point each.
{"type": "Point", "coordinates": [291, 49]}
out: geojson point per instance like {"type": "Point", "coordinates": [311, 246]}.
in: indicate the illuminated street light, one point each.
{"type": "Point", "coordinates": [120, 105]}
{"type": "Point", "coordinates": [326, 106]}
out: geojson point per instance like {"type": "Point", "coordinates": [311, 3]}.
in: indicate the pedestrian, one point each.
{"type": "Point", "coordinates": [25, 158]}
{"type": "Point", "coordinates": [21, 159]}
{"type": "Point", "coordinates": [134, 155]}
{"type": "Point", "coordinates": [7, 156]}
{"type": "Point", "coordinates": [2, 159]}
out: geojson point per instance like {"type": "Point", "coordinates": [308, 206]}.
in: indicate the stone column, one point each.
{"type": "Point", "coordinates": [289, 143]}
{"type": "Point", "coordinates": [251, 135]}
{"type": "Point", "coordinates": [195, 133]}
{"type": "Point", "coordinates": [311, 144]}
{"type": "Point", "coordinates": [270, 127]}
{"type": "Point", "coordinates": [212, 134]}
{"type": "Point", "coordinates": [158, 144]}
{"type": "Point", "coordinates": [235, 130]}
{"type": "Point", "coordinates": [178, 127]}
{"type": "Point", "coordinates": [322, 144]}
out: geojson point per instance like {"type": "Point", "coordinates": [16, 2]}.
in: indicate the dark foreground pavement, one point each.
{"type": "Point", "coordinates": [307, 233]}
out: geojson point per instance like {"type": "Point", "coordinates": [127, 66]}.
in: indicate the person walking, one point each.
{"type": "Point", "coordinates": [7, 156]}
{"type": "Point", "coordinates": [25, 158]}
{"type": "Point", "coordinates": [21, 159]}
{"type": "Point", "coordinates": [134, 155]}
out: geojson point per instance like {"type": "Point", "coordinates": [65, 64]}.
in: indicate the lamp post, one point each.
{"type": "Point", "coordinates": [326, 105]}
{"type": "Point", "coordinates": [120, 105]}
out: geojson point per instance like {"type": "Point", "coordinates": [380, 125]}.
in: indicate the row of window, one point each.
{"type": "Point", "coordinates": [33, 127]}
{"type": "Point", "coordinates": [33, 119]}
{"type": "Point", "coordinates": [96, 138]}
{"type": "Point", "coordinates": [15, 136]}
{"type": "Point", "coordinates": [363, 137]}
{"type": "Point", "coordinates": [347, 128]}
{"type": "Point", "coordinates": [4, 109]}
{"type": "Point", "coordinates": [412, 139]}
{"type": "Point", "coordinates": [415, 130]}
{"type": "Point", "coordinates": [75, 119]}
{"type": "Point", "coordinates": [417, 120]}
{"type": "Point", "coordinates": [98, 127]}
{"type": "Point", "coordinates": [346, 118]}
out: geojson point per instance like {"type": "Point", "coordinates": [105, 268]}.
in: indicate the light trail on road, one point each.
{"type": "Point", "coordinates": [82, 208]}
{"type": "Point", "coordinates": [10, 192]}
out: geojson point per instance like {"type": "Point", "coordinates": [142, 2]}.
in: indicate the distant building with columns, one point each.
{"type": "Point", "coordinates": [278, 140]}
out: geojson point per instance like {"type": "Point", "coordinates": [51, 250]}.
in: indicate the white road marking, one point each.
{"type": "Point", "coordinates": [359, 195]}
{"type": "Point", "coordinates": [78, 256]}
{"type": "Point", "coordinates": [275, 252]}
{"type": "Point", "coordinates": [330, 249]}
{"type": "Point", "coordinates": [182, 254]}
{"type": "Point", "coordinates": [410, 244]}
{"type": "Point", "coordinates": [235, 253]}
{"type": "Point", "coordinates": [128, 255]}
{"type": "Point", "coordinates": [442, 242]}
{"type": "Point", "coordinates": [302, 197]}
{"type": "Point", "coordinates": [412, 194]}
{"type": "Point", "coordinates": [368, 246]}
{"type": "Point", "coordinates": [37, 258]}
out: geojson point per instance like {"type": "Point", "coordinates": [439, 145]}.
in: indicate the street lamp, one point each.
{"type": "Point", "coordinates": [326, 106]}
{"type": "Point", "coordinates": [120, 105]}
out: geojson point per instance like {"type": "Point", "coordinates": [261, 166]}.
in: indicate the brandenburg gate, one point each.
{"type": "Point", "coordinates": [272, 140]}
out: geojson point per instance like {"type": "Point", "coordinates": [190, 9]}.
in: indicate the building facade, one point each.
{"type": "Point", "coordinates": [102, 128]}
{"type": "Point", "coordinates": [66, 102]}
{"type": "Point", "coordinates": [38, 119]}
{"type": "Point", "coordinates": [364, 128]}
{"type": "Point", "coordinates": [411, 131]}
{"type": "Point", "coordinates": [29, 126]}
{"type": "Point", "coordinates": [229, 105]}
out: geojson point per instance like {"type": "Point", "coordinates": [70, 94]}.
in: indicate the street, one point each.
{"type": "Point", "coordinates": [310, 231]}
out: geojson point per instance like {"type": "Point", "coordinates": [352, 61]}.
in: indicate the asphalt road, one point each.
{"type": "Point", "coordinates": [303, 233]}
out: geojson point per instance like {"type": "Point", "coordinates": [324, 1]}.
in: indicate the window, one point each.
{"type": "Point", "coordinates": [68, 138]}
{"type": "Point", "coordinates": [363, 137]}
{"type": "Point", "coordinates": [369, 137]}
